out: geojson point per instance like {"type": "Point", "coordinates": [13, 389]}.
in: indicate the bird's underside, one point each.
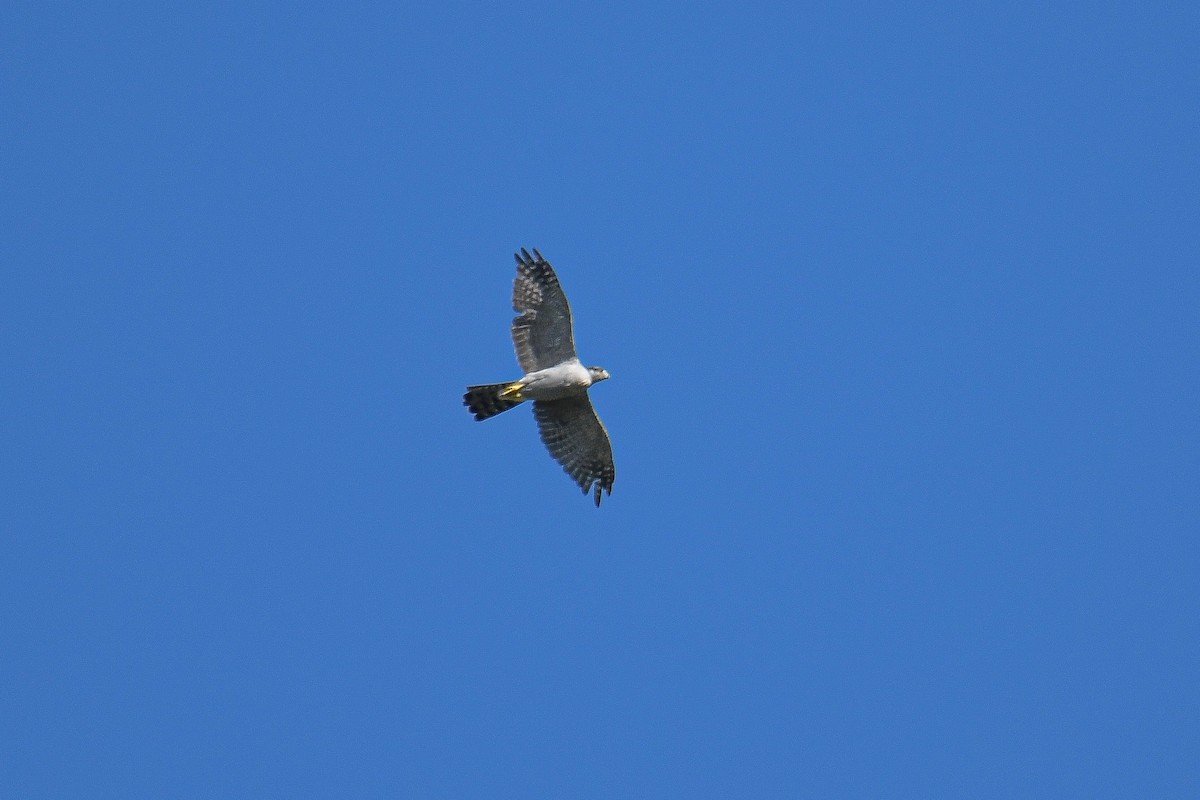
{"type": "Point", "coordinates": [554, 380]}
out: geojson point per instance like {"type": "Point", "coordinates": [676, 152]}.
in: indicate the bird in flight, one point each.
{"type": "Point", "coordinates": [554, 379]}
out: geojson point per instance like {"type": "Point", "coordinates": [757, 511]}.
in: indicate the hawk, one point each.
{"type": "Point", "coordinates": [554, 380]}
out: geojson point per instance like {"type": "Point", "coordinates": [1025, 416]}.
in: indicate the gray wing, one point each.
{"type": "Point", "coordinates": [542, 333]}
{"type": "Point", "coordinates": [576, 438]}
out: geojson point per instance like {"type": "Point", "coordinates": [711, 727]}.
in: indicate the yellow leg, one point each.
{"type": "Point", "coordinates": [513, 390]}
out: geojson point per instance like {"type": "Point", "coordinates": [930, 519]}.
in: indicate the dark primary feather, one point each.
{"type": "Point", "coordinates": [542, 333]}
{"type": "Point", "coordinates": [577, 439]}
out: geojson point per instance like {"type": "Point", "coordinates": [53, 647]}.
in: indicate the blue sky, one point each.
{"type": "Point", "coordinates": [901, 307]}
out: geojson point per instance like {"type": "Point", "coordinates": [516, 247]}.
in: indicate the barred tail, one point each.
{"type": "Point", "coordinates": [485, 401]}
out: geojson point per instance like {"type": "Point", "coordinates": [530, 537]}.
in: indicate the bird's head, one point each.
{"type": "Point", "coordinates": [598, 374]}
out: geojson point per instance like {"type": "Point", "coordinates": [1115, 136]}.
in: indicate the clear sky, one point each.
{"type": "Point", "coordinates": [902, 308]}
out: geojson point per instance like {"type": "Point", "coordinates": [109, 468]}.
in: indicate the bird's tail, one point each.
{"type": "Point", "coordinates": [490, 400]}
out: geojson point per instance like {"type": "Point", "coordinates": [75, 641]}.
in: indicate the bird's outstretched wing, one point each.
{"type": "Point", "coordinates": [576, 438]}
{"type": "Point", "coordinates": [542, 333]}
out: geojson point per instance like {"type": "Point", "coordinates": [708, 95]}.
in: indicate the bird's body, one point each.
{"type": "Point", "coordinates": [555, 383]}
{"type": "Point", "coordinates": [555, 379]}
